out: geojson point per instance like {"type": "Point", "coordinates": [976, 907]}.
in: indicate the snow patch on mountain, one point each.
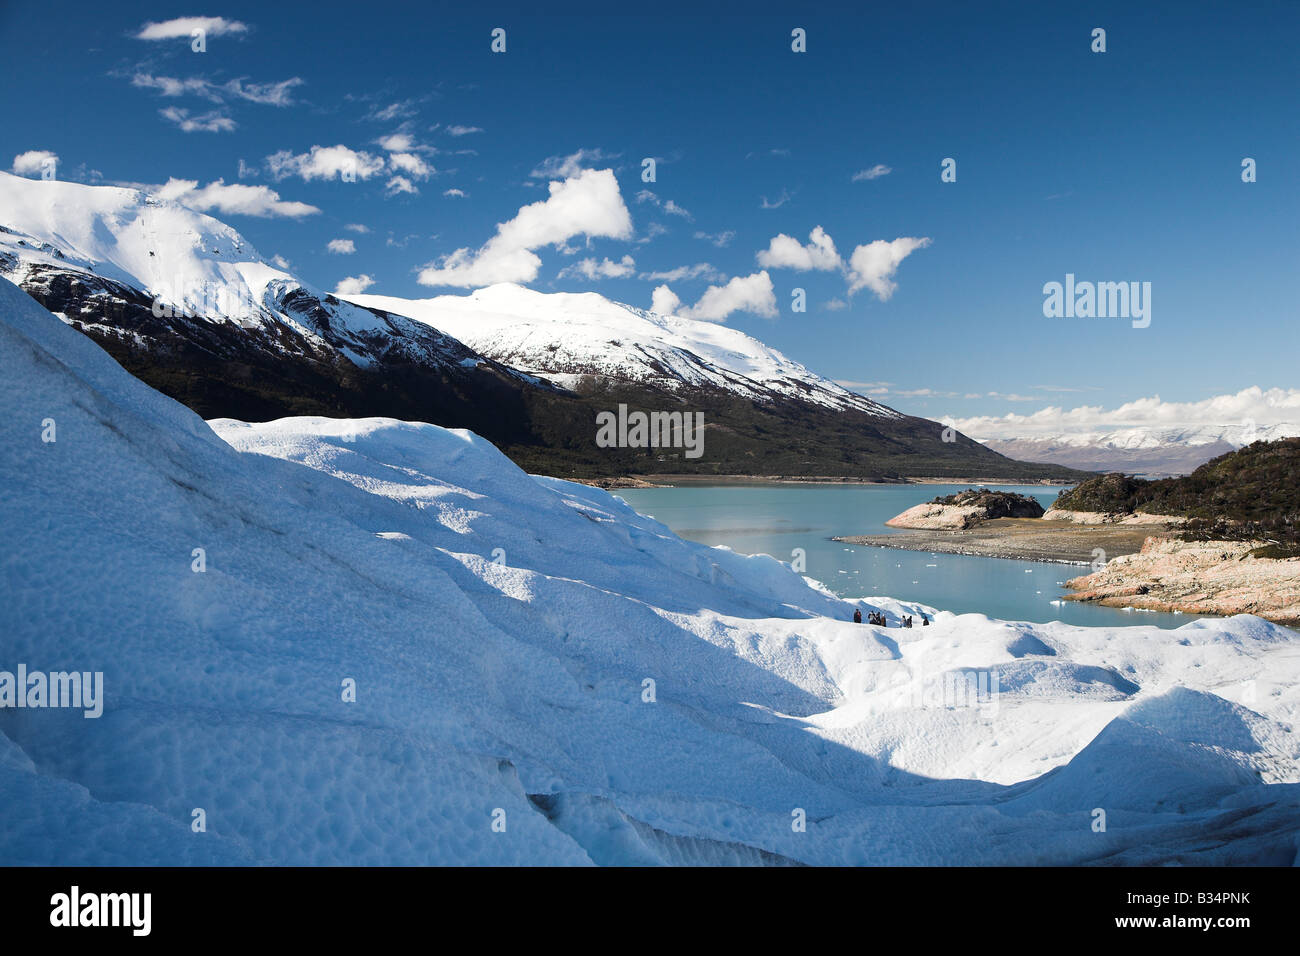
{"type": "Point", "coordinates": [119, 242]}
{"type": "Point", "coordinates": [566, 336]}
{"type": "Point", "coordinates": [1148, 437]}
{"type": "Point", "coordinates": [1146, 450]}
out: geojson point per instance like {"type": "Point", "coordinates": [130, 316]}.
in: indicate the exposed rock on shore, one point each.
{"type": "Point", "coordinates": [1111, 517]}
{"type": "Point", "coordinates": [1020, 539]}
{"type": "Point", "coordinates": [1197, 577]}
{"type": "Point", "coordinates": [965, 510]}
{"type": "Point", "coordinates": [626, 481]}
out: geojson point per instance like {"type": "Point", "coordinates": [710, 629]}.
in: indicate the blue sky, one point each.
{"type": "Point", "coordinates": [1115, 166]}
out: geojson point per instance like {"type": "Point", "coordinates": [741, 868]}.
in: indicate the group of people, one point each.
{"type": "Point", "coordinates": [878, 618]}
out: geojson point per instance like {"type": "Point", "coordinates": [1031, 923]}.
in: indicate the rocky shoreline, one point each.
{"type": "Point", "coordinates": [1197, 577]}
{"type": "Point", "coordinates": [667, 480]}
{"type": "Point", "coordinates": [1137, 562]}
{"type": "Point", "coordinates": [1020, 539]}
{"type": "Point", "coordinates": [1112, 518]}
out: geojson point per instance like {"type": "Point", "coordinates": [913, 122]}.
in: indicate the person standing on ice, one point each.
{"type": "Point", "coordinates": [857, 616]}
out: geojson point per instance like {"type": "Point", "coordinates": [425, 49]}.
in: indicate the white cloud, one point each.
{"type": "Point", "coordinates": [454, 193]}
{"type": "Point", "coordinates": [403, 109]}
{"type": "Point", "coordinates": [398, 185]}
{"type": "Point", "coordinates": [664, 301]}
{"type": "Point", "coordinates": [752, 293]}
{"type": "Point", "coordinates": [874, 264]}
{"type": "Point", "coordinates": [354, 285]}
{"type": "Point", "coordinates": [211, 122]}
{"type": "Point", "coordinates": [336, 162]}
{"type": "Point", "coordinates": [272, 94]}
{"type": "Point", "coordinates": [235, 198]}
{"type": "Point", "coordinates": [887, 388]}
{"type": "Point", "coordinates": [588, 204]}
{"type": "Point", "coordinates": [596, 270]}
{"type": "Point", "coordinates": [33, 161]}
{"type": "Point", "coordinates": [653, 231]}
{"type": "Point", "coordinates": [342, 247]}
{"type": "Point", "coordinates": [785, 252]}
{"type": "Point", "coordinates": [172, 86]}
{"type": "Point", "coordinates": [720, 239]}
{"type": "Point", "coordinates": [866, 388]}
{"type": "Point", "coordinates": [280, 262]}
{"type": "Point", "coordinates": [1255, 405]}
{"type": "Point", "coordinates": [776, 203]}
{"type": "Point", "coordinates": [568, 167]}
{"type": "Point", "coordinates": [875, 172]}
{"type": "Point", "coordinates": [1011, 397]}
{"type": "Point", "coordinates": [411, 165]}
{"type": "Point", "coordinates": [325, 162]}
{"type": "Point", "coordinates": [668, 206]}
{"type": "Point", "coordinates": [463, 130]}
{"type": "Point", "coordinates": [835, 305]}
{"type": "Point", "coordinates": [185, 27]}
{"type": "Point", "coordinates": [357, 228]}
{"type": "Point", "coordinates": [397, 142]}
{"type": "Point", "coordinates": [701, 270]}
{"type": "Point", "coordinates": [404, 142]}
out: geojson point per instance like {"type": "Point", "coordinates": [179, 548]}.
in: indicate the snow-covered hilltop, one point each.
{"type": "Point", "coordinates": [88, 250]}
{"type": "Point", "coordinates": [566, 336]}
{"type": "Point", "coordinates": [375, 641]}
{"type": "Point", "coordinates": [183, 302]}
{"type": "Point", "coordinates": [1142, 449]}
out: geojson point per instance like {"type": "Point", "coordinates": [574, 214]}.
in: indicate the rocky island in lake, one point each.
{"type": "Point", "coordinates": [966, 509]}
{"type": "Point", "coordinates": [1222, 540]}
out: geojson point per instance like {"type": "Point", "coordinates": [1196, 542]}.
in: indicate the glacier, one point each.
{"type": "Point", "coordinates": [329, 641]}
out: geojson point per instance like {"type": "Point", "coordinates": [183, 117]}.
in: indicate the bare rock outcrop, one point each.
{"type": "Point", "coordinates": [1115, 517]}
{"type": "Point", "coordinates": [1197, 577]}
{"type": "Point", "coordinates": [965, 510]}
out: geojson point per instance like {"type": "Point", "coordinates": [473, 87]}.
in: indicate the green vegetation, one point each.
{"type": "Point", "coordinates": [1251, 493]}
{"type": "Point", "coordinates": [1000, 504]}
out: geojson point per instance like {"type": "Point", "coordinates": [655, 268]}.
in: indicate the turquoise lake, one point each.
{"type": "Point", "coordinates": [776, 519]}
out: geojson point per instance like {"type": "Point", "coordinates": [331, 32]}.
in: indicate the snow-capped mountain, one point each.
{"type": "Point", "coordinates": [185, 303]}
{"type": "Point", "coordinates": [565, 337]}
{"type": "Point", "coordinates": [369, 642]}
{"type": "Point", "coordinates": [1147, 450]}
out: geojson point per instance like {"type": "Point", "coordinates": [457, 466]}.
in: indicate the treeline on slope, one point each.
{"type": "Point", "coordinates": [1253, 492]}
{"type": "Point", "coordinates": [745, 437]}
{"type": "Point", "coordinates": [221, 370]}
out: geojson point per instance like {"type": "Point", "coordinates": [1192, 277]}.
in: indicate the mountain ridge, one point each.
{"type": "Point", "coordinates": [1148, 450]}
{"type": "Point", "coordinates": [188, 305]}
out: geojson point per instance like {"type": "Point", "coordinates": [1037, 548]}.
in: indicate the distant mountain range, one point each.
{"type": "Point", "coordinates": [186, 304]}
{"type": "Point", "coordinates": [1150, 451]}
